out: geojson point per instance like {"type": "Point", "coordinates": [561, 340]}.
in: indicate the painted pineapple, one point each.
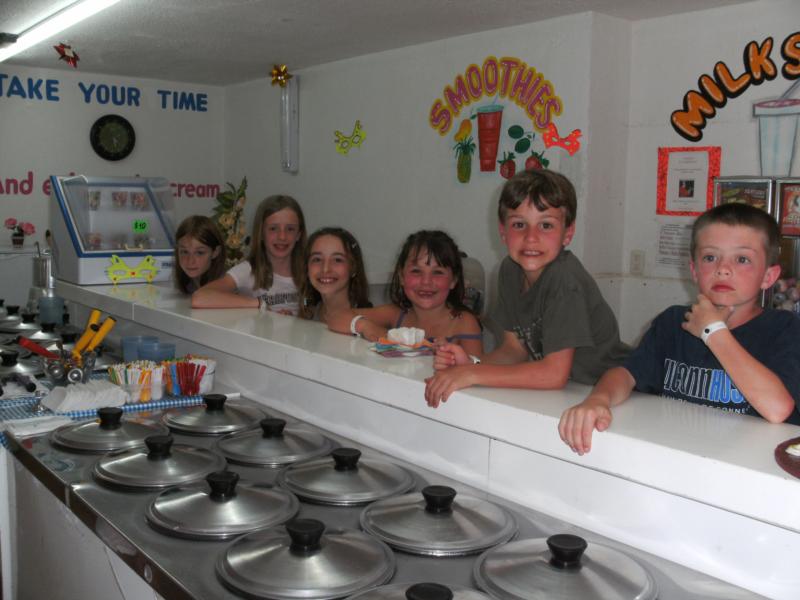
{"type": "Point", "coordinates": [465, 148]}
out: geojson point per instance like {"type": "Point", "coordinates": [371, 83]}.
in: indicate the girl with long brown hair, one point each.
{"type": "Point", "coordinates": [272, 274]}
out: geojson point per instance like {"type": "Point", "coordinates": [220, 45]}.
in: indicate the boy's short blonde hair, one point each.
{"type": "Point", "coordinates": [737, 213]}
{"type": "Point", "coordinates": [544, 188]}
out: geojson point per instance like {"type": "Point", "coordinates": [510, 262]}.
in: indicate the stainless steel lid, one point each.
{"type": "Point", "coordinates": [158, 465]}
{"type": "Point", "coordinates": [345, 479]}
{"type": "Point", "coordinates": [274, 444]}
{"type": "Point", "coordinates": [303, 561]}
{"type": "Point", "coordinates": [11, 315]}
{"type": "Point", "coordinates": [24, 323]}
{"type": "Point", "coordinates": [220, 508]}
{"type": "Point", "coordinates": [43, 334]}
{"type": "Point", "coordinates": [9, 344]}
{"type": "Point", "coordinates": [10, 363]}
{"type": "Point", "coordinates": [420, 591]}
{"type": "Point", "coordinates": [436, 523]}
{"type": "Point", "coordinates": [111, 433]}
{"type": "Point", "coordinates": [215, 417]}
{"type": "Point", "coordinates": [557, 567]}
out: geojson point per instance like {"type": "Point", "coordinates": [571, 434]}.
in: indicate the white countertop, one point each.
{"type": "Point", "coordinates": [718, 459]}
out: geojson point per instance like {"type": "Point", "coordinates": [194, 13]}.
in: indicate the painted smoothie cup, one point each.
{"type": "Point", "coordinates": [489, 119]}
{"type": "Point", "coordinates": [777, 125]}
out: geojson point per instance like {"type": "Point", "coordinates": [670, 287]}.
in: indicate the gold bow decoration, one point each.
{"type": "Point", "coordinates": [280, 75]}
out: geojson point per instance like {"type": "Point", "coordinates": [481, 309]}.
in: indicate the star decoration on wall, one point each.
{"type": "Point", "coordinates": [280, 75]}
{"type": "Point", "coordinates": [66, 53]}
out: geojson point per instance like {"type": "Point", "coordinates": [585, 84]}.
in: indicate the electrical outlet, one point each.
{"type": "Point", "coordinates": [637, 262]}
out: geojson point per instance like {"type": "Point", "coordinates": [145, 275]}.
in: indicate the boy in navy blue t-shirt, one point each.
{"type": "Point", "coordinates": [724, 351]}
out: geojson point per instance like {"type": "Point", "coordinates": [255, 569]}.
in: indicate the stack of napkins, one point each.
{"type": "Point", "coordinates": [94, 394]}
{"type": "Point", "coordinates": [403, 341]}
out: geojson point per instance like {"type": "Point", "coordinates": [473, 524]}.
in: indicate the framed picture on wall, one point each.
{"type": "Point", "coordinates": [685, 177]}
{"type": "Point", "coordinates": [788, 194]}
{"type": "Point", "coordinates": [755, 191]}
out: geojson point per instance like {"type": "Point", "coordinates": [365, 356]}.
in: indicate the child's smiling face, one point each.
{"type": "Point", "coordinates": [281, 232]}
{"type": "Point", "coordinates": [425, 282]}
{"type": "Point", "coordinates": [535, 238]}
{"type": "Point", "coordinates": [328, 266]}
{"type": "Point", "coordinates": [730, 265]}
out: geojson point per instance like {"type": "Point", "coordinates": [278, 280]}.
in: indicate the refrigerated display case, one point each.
{"type": "Point", "coordinates": [780, 197]}
{"type": "Point", "coordinates": [112, 229]}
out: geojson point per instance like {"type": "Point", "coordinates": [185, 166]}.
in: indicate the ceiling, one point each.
{"type": "Point", "coordinates": [220, 42]}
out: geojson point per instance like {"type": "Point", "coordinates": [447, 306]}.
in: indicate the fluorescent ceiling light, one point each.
{"type": "Point", "coordinates": [55, 24]}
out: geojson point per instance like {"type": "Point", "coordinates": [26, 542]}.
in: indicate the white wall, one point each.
{"type": "Point", "coordinates": [52, 137]}
{"type": "Point", "coordinates": [403, 177]}
{"type": "Point", "coordinates": [619, 83]}
{"type": "Point", "coordinates": [668, 56]}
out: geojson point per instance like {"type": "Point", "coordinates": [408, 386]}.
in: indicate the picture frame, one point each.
{"type": "Point", "coordinates": [755, 191]}
{"type": "Point", "coordinates": [685, 179]}
{"type": "Point", "coordinates": [787, 194]}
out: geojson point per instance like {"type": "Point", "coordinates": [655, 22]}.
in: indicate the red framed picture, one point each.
{"type": "Point", "coordinates": [686, 175]}
{"type": "Point", "coordinates": [788, 194]}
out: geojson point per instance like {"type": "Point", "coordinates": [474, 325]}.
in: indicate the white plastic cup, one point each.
{"type": "Point", "coordinates": [777, 126]}
{"type": "Point", "coordinates": [207, 381]}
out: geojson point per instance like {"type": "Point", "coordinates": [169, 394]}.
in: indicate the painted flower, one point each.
{"type": "Point", "coordinates": [19, 227]}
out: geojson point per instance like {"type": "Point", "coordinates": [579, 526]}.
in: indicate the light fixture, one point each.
{"type": "Point", "coordinates": [53, 25]}
{"type": "Point", "coordinates": [290, 126]}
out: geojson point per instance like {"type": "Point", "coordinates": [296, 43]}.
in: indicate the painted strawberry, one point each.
{"type": "Point", "coordinates": [507, 165]}
{"type": "Point", "coordinates": [536, 161]}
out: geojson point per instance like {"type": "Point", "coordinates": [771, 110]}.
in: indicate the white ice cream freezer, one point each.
{"type": "Point", "coordinates": [112, 229]}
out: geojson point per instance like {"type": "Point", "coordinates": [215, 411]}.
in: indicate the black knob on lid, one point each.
{"type": "Point", "coordinates": [158, 446]}
{"type": "Point", "coordinates": [429, 591]}
{"type": "Point", "coordinates": [214, 401]}
{"type": "Point", "coordinates": [28, 317]}
{"type": "Point", "coordinates": [438, 498]}
{"type": "Point", "coordinates": [222, 484]}
{"type": "Point", "coordinates": [110, 417]}
{"type": "Point", "coordinates": [566, 550]}
{"type": "Point", "coordinates": [2, 301]}
{"type": "Point", "coordinates": [272, 427]}
{"type": "Point", "coordinates": [9, 358]}
{"type": "Point", "coordinates": [69, 337]}
{"type": "Point", "coordinates": [346, 459]}
{"type": "Point", "coordinates": [305, 535]}
{"type": "Point", "coordinates": [12, 309]}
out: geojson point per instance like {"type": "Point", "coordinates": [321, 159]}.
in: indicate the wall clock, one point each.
{"type": "Point", "coordinates": [112, 137]}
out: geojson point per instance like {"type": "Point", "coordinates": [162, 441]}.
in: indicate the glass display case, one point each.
{"type": "Point", "coordinates": [112, 229]}
{"type": "Point", "coordinates": [780, 198]}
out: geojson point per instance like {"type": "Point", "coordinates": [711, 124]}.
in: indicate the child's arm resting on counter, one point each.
{"type": "Point", "coordinates": [221, 293]}
{"type": "Point", "coordinates": [373, 324]}
{"type": "Point", "coordinates": [507, 366]}
{"type": "Point", "coordinates": [763, 389]}
{"type": "Point", "coordinates": [578, 423]}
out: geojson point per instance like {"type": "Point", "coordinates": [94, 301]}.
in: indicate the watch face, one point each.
{"type": "Point", "coordinates": [112, 137]}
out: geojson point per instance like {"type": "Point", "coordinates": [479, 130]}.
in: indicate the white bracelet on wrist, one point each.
{"type": "Point", "coordinates": [711, 329]}
{"type": "Point", "coordinates": [353, 329]}
{"type": "Point", "coordinates": [262, 304]}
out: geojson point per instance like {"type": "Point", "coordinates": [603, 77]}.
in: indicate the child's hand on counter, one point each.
{"type": "Point", "coordinates": [443, 383]}
{"type": "Point", "coordinates": [450, 355]}
{"type": "Point", "coordinates": [579, 422]}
